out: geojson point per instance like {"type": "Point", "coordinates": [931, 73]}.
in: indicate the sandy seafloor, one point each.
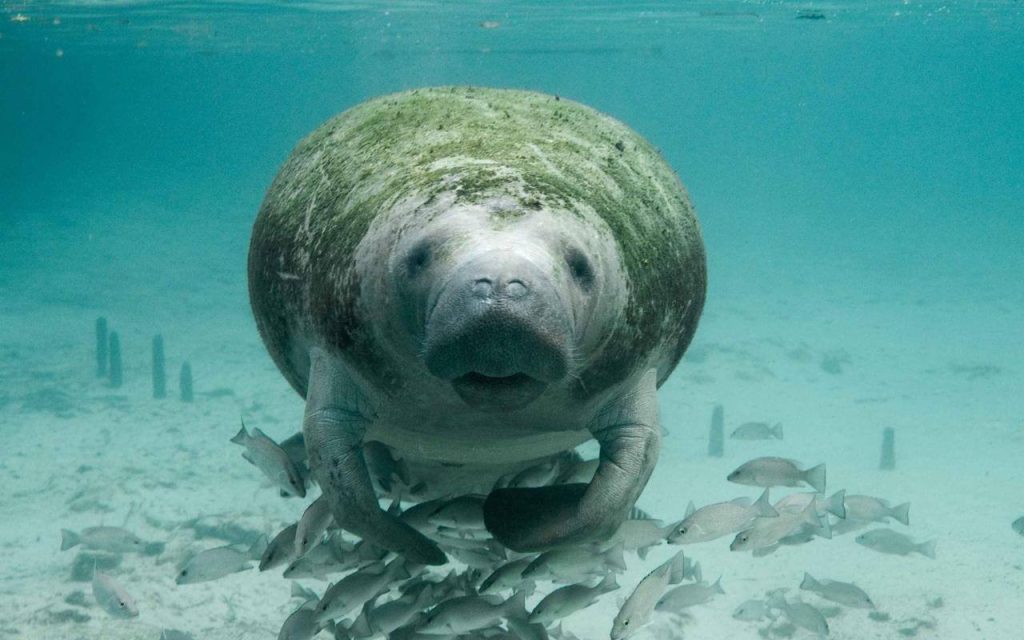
{"type": "Point", "coordinates": [934, 352]}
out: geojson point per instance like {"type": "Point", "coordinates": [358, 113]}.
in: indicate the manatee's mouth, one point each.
{"type": "Point", "coordinates": [498, 393]}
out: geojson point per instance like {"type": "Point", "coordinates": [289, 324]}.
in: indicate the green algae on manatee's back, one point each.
{"type": "Point", "coordinates": [473, 144]}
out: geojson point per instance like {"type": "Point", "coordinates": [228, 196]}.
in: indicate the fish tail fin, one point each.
{"type": "Point", "coordinates": [697, 573]}
{"type": "Point", "coordinates": [515, 606]}
{"type": "Point", "coordinates": [902, 513]}
{"type": "Point", "coordinates": [836, 505]}
{"type": "Point", "coordinates": [718, 586]}
{"type": "Point", "coordinates": [399, 570]}
{"type": "Point", "coordinates": [241, 436]}
{"type": "Point", "coordinates": [777, 431]}
{"type": "Point", "coordinates": [808, 583]}
{"type": "Point", "coordinates": [68, 539]}
{"type": "Point", "coordinates": [927, 549]}
{"type": "Point", "coordinates": [615, 558]}
{"type": "Point", "coordinates": [642, 552]}
{"type": "Point", "coordinates": [677, 568]}
{"type": "Point", "coordinates": [810, 516]}
{"type": "Point", "coordinates": [608, 583]}
{"type": "Point", "coordinates": [763, 507]}
{"type": "Point", "coordinates": [815, 477]}
{"type": "Point", "coordinates": [258, 546]}
{"type": "Point", "coordinates": [361, 625]}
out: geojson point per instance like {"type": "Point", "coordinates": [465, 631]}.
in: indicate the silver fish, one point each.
{"type": "Point", "coordinates": [295, 448]}
{"type": "Point", "coordinates": [112, 539]}
{"type": "Point", "coordinates": [265, 454]}
{"type": "Point", "coordinates": [507, 576]}
{"type": "Point", "coordinates": [480, 558]}
{"type": "Point", "coordinates": [463, 511]}
{"type": "Point", "coordinates": [640, 535]}
{"type": "Point", "coordinates": [757, 431]}
{"type": "Point", "coordinates": [112, 597]}
{"type": "Point", "coordinates": [418, 515]}
{"type": "Point", "coordinates": [385, 467]}
{"type": "Point", "coordinates": [875, 509]}
{"type": "Point", "coordinates": [280, 550]}
{"type": "Point", "coordinates": [846, 525]}
{"type": "Point", "coordinates": [313, 523]}
{"type": "Point", "coordinates": [524, 630]}
{"type": "Point", "coordinates": [567, 600]}
{"type": "Point", "coordinates": [778, 472]}
{"type": "Point", "coordinates": [218, 562]}
{"type": "Point", "coordinates": [638, 608]}
{"type": "Point", "coordinates": [466, 614]}
{"type": "Point", "coordinates": [893, 542]}
{"type": "Point", "coordinates": [834, 504]}
{"type": "Point", "coordinates": [355, 589]}
{"type": "Point", "coordinates": [573, 562]}
{"type": "Point", "coordinates": [751, 610]}
{"type": "Point", "coordinates": [844, 593]}
{"type": "Point", "coordinates": [767, 532]}
{"type": "Point", "coordinates": [385, 618]}
{"type": "Point", "coordinates": [801, 614]}
{"type": "Point", "coordinates": [720, 519]}
{"type": "Point", "coordinates": [302, 624]}
{"type": "Point", "coordinates": [688, 595]}
{"type": "Point", "coordinates": [538, 475]}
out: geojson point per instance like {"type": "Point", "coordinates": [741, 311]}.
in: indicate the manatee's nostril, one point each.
{"type": "Point", "coordinates": [482, 288]}
{"type": "Point", "coordinates": [515, 289]}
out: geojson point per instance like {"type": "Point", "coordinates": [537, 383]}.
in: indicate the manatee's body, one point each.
{"type": "Point", "coordinates": [482, 278]}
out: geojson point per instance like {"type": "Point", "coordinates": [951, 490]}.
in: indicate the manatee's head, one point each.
{"type": "Point", "coordinates": [503, 301]}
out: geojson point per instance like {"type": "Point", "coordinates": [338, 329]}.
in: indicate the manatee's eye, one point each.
{"type": "Point", "coordinates": [579, 267]}
{"type": "Point", "coordinates": [418, 259]}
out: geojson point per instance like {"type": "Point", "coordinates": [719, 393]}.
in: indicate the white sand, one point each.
{"type": "Point", "coordinates": [126, 459]}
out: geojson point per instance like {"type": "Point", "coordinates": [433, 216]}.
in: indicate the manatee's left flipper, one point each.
{"type": "Point", "coordinates": [336, 420]}
{"type": "Point", "coordinates": [630, 437]}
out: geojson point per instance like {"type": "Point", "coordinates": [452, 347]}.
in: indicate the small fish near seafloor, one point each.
{"type": "Point", "coordinates": [1018, 525]}
{"type": "Point", "coordinates": [218, 562]}
{"type": "Point", "coordinates": [112, 539]}
{"type": "Point", "coordinates": [112, 597]}
{"type": "Point", "coordinates": [844, 593]}
{"type": "Point", "coordinates": [567, 600]}
{"type": "Point", "coordinates": [720, 519]}
{"type": "Point", "coordinates": [465, 614]}
{"type": "Point", "coordinates": [267, 456]}
{"type": "Point", "coordinates": [757, 431]}
{"type": "Point", "coordinates": [638, 608]}
{"type": "Point", "coordinates": [778, 472]}
{"type": "Point", "coordinates": [895, 543]}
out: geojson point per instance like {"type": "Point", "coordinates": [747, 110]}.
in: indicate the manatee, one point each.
{"type": "Point", "coordinates": [478, 279]}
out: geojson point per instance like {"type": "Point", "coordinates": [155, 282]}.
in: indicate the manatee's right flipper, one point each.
{"type": "Point", "coordinates": [336, 420]}
{"type": "Point", "coordinates": [536, 519]}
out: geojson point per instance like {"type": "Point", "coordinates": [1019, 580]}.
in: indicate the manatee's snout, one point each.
{"type": "Point", "coordinates": [499, 332]}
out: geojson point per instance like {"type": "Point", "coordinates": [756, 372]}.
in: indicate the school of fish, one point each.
{"type": "Point", "coordinates": [486, 590]}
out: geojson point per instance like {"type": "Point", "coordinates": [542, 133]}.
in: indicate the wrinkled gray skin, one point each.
{"type": "Point", "coordinates": [478, 279]}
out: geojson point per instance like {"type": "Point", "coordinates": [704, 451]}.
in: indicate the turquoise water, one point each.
{"type": "Point", "coordinates": [857, 168]}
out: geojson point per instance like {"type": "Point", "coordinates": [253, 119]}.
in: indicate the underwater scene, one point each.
{"type": "Point", "coordinates": [512, 320]}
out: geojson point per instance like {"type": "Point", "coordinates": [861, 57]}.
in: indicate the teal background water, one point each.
{"type": "Point", "coordinates": [859, 179]}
